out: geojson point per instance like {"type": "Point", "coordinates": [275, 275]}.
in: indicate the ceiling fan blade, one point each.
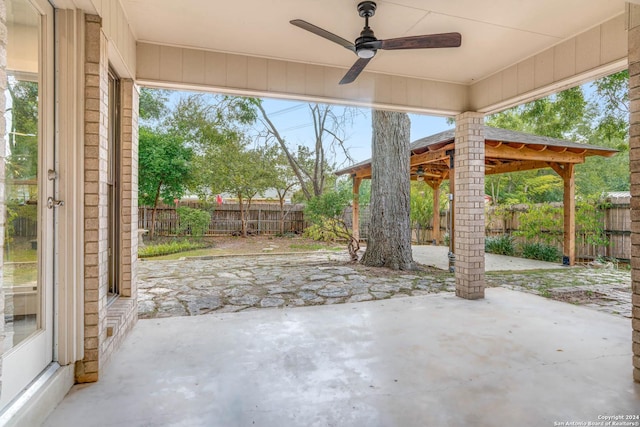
{"type": "Point", "coordinates": [323, 33]}
{"type": "Point", "coordinates": [355, 71]}
{"type": "Point", "coordinates": [422, 42]}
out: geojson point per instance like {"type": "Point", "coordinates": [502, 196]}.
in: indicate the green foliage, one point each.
{"type": "Point", "coordinates": [193, 221]}
{"type": "Point", "coordinates": [601, 120]}
{"type": "Point", "coordinates": [153, 104]}
{"type": "Point", "coordinates": [541, 252]}
{"type": "Point", "coordinates": [421, 209]}
{"type": "Point", "coordinates": [22, 141]}
{"type": "Point", "coordinates": [168, 248]}
{"type": "Point", "coordinates": [545, 188]}
{"type": "Point", "coordinates": [328, 230]}
{"type": "Point", "coordinates": [612, 97]}
{"type": "Point", "coordinates": [501, 245]}
{"type": "Point", "coordinates": [164, 167]}
{"type": "Point", "coordinates": [325, 212]}
{"type": "Point", "coordinates": [329, 205]}
{"type": "Point", "coordinates": [541, 224]}
{"type": "Point", "coordinates": [590, 224]}
{"type": "Point", "coordinates": [557, 116]}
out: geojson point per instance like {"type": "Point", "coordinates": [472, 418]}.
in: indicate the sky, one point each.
{"type": "Point", "coordinates": [293, 121]}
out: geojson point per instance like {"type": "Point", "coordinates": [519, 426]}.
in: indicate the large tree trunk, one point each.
{"type": "Point", "coordinates": [389, 242]}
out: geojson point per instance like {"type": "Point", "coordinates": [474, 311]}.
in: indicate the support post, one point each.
{"type": "Point", "coordinates": [633, 19]}
{"type": "Point", "coordinates": [567, 173]}
{"type": "Point", "coordinates": [469, 205]}
{"type": "Point", "coordinates": [569, 249]}
{"type": "Point", "coordinates": [452, 211]}
{"type": "Point", "coordinates": [355, 211]}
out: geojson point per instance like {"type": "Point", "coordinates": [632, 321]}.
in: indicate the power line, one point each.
{"type": "Point", "coordinates": [287, 110]}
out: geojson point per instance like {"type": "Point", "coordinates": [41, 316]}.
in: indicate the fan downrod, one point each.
{"type": "Point", "coordinates": [366, 9]}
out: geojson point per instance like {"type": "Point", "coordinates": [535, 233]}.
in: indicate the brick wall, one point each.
{"type": "Point", "coordinates": [123, 313]}
{"type": "Point", "coordinates": [95, 201]}
{"type": "Point", "coordinates": [634, 165]}
{"type": "Point", "coordinates": [129, 193]}
{"type": "Point", "coordinates": [3, 88]}
{"type": "Point", "coordinates": [469, 205]}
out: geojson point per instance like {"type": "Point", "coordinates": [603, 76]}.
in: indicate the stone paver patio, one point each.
{"type": "Point", "coordinates": [241, 283]}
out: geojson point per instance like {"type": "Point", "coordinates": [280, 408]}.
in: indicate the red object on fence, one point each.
{"type": "Point", "coordinates": [219, 200]}
{"type": "Point", "coordinates": [176, 201]}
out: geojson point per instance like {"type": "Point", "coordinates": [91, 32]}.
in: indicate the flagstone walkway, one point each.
{"type": "Point", "coordinates": [228, 284]}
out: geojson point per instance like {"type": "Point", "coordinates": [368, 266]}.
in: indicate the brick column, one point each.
{"type": "Point", "coordinates": [634, 166]}
{"type": "Point", "coordinates": [129, 190]}
{"type": "Point", "coordinates": [3, 88]}
{"type": "Point", "coordinates": [95, 198]}
{"type": "Point", "coordinates": [469, 205]}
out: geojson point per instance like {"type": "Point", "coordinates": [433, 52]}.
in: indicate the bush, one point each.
{"type": "Point", "coordinates": [168, 248]}
{"type": "Point", "coordinates": [541, 223]}
{"type": "Point", "coordinates": [501, 245]}
{"type": "Point", "coordinates": [326, 231]}
{"type": "Point", "coordinates": [193, 221]}
{"type": "Point", "coordinates": [541, 252]}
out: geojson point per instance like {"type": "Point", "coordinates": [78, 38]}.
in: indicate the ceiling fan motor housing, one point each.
{"type": "Point", "coordinates": [366, 9]}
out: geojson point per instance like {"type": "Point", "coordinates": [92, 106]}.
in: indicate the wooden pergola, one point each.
{"type": "Point", "coordinates": [505, 151]}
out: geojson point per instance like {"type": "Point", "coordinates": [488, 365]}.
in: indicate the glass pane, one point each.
{"type": "Point", "coordinates": [20, 280]}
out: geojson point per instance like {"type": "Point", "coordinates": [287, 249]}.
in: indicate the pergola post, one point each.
{"type": "Point", "coordinates": [567, 173]}
{"type": "Point", "coordinates": [355, 211]}
{"type": "Point", "coordinates": [569, 203]}
{"type": "Point", "coordinates": [633, 15]}
{"type": "Point", "coordinates": [469, 205]}
{"type": "Point", "coordinates": [435, 223]}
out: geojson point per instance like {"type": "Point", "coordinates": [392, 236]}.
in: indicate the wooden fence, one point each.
{"type": "Point", "coordinates": [265, 219]}
{"type": "Point", "coordinates": [262, 218]}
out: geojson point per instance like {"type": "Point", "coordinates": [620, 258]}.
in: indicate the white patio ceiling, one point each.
{"type": "Point", "coordinates": [496, 33]}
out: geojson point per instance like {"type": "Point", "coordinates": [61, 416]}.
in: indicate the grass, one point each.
{"type": "Point", "coordinates": [167, 248]}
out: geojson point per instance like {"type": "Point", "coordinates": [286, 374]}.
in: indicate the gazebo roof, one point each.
{"type": "Point", "coordinates": [505, 151]}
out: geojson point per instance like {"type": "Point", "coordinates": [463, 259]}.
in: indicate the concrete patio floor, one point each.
{"type": "Point", "coordinates": [436, 256]}
{"type": "Point", "coordinates": [510, 359]}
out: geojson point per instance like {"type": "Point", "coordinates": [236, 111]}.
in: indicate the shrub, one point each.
{"type": "Point", "coordinates": [501, 245]}
{"type": "Point", "coordinates": [193, 221]}
{"type": "Point", "coordinates": [541, 252]}
{"type": "Point", "coordinates": [541, 223]}
{"type": "Point", "coordinates": [325, 231]}
{"type": "Point", "coordinates": [168, 248]}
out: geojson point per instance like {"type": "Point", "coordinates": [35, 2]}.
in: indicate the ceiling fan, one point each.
{"type": "Point", "coordinates": [367, 44]}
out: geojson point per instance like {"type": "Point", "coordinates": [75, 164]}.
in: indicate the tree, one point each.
{"type": "Point", "coordinates": [209, 125]}
{"type": "Point", "coordinates": [284, 181]}
{"type": "Point", "coordinates": [612, 98]}
{"type": "Point", "coordinates": [22, 144]}
{"type": "Point", "coordinates": [389, 243]}
{"type": "Point", "coordinates": [153, 104]}
{"type": "Point", "coordinates": [312, 167]}
{"type": "Point", "coordinates": [164, 169]}
{"type": "Point", "coordinates": [600, 121]}
{"type": "Point", "coordinates": [243, 172]}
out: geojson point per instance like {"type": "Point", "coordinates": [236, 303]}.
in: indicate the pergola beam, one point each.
{"type": "Point", "coordinates": [524, 154]}
{"type": "Point", "coordinates": [517, 166]}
